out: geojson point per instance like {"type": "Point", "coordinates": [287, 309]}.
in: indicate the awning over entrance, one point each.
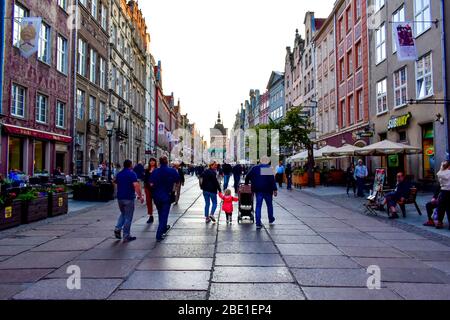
{"type": "Point", "coordinates": [11, 129]}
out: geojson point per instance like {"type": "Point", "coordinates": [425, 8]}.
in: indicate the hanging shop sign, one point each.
{"type": "Point", "coordinates": [30, 29]}
{"type": "Point", "coordinates": [365, 134]}
{"type": "Point", "coordinates": [404, 38]}
{"type": "Point", "coordinates": [400, 121]}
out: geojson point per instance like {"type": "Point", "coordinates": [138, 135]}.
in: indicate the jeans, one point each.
{"type": "Point", "coordinates": [444, 205]}
{"type": "Point", "coordinates": [268, 198]}
{"type": "Point", "coordinates": [279, 179]}
{"type": "Point", "coordinates": [237, 181]}
{"type": "Point", "coordinates": [226, 181]}
{"type": "Point", "coordinates": [391, 200]}
{"type": "Point", "coordinates": [126, 216]}
{"type": "Point", "coordinates": [210, 197]}
{"type": "Point", "coordinates": [289, 182]}
{"type": "Point", "coordinates": [351, 184]}
{"type": "Point", "coordinates": [163, 216]}
{"type": "Point", "coordinates": [360, 184]}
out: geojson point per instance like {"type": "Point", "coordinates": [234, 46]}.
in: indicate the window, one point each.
{"type": "Point", "coordinates": [41, 108]}
{"type": "Point", "coordinates": [119, 84]}
{"type": "Point", "coordinates": [80, 104]}
{"type": "Point", "coordinates": [103, 18]}
{"type": "Point", "coordinates": [60, 114]}
{"type": "Point", "coordinates": [114, 34]}
{"type": "Point", "coordinates": [358, 55]}
{"type": "Point", "coordinates": [94, 8]}
{"type": "Point", "coordinates": [92, 109]}
{"type": "Point", "coordinates": [424, 77]}
{"type": "Point", "coordinates": [19, 12]}
{"type": "Point", "coordinates": [349, 19]}
{"type": "Point", "coordinates": [360, 107]}
{"type": "Point", "coordinates": [358, 9]}
{"type": "Point", "coordinates": [342, 69]}
{"type": "Point", "coordinates": [83, 2]}
{"type": "Point", "coordinates": [63, 4]}
{"type": "Point", "coordinates": [44, 43]}
{"type": "Point", "coordinates": [62, 55]}
{"type": "Point", "coordinates": [102, 73]}
{"type": "Point", "coordinates": [380, 44]}
{"type": "Point", "coordinates": [93, 68]}
{"type": "Point", "coordinates": [350, 62]}
{"type": "Point", "coordinates": [422, 14]}
{"type": "Point", "coordinates": [351, 107]}
{"type": "Point", "coordinates": [398, 16]}
{"type": "Point", "coordinates": [18, 94]}
{"type": "Point", "coordinates": [344, 113]}
{"type": "Point", "coordinates": [400, 87]}
{"type": "Point", "coordinates": [382, 96]}
{"type": "Point", "coordinates": [341, 29]}
{"type": "Point", "coordinates": [82, 47]}
{"type": "Point", "coordinates": [378, 5]}
{"type": "Point", "coordinates": [101, 114]}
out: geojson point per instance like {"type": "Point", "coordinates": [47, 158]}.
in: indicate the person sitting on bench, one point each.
{"type": "Point", "coordinates": [433, 204]}
{"type": "Point", "coordinates": [400, 193]}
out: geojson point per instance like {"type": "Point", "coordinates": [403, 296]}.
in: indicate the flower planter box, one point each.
{"type": "Point", "coordinates": [317, 178]}
{"type": "Point", "coordinates": [303, 180]}
{"type": "Point", "coordinates": [58, 204]}
{"type": "Point", "coordinates": [10, 215]}
{"type": "Point", "coordinates": [34, 210]}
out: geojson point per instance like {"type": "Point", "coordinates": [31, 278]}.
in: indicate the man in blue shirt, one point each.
{"type": "Point", "coordinates": [127, 189]}
{"type": "Point", "coordinates": [162, 182]}
{"type": "Point", "coordinates": [280, 174]}
{"type": "Point", "coordinates": [361, 174]}
{"type": "Point", "coordinates": [264, 187]}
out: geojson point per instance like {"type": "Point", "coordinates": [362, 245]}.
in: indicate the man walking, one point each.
{"type": "Point", "coordinates": [361, 174]}
{"type": "Point", "coordinates": [289, 176]}
{"type": "Point", "coordinates": [264, 187]}
{"type": "Point", "coordinates": [162, 182]}
{"type": "Point", "coordinates": [237, 174]}
{"type": "Point", "coordinates": [280, 174]}
{"type": "Point", "coordinates": [127, 189]}
{"type": "Point", "coordinates": [227, 171]}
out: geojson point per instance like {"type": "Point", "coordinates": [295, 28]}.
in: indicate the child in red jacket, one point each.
{"type": "Point", "coordinates": [227, 206]}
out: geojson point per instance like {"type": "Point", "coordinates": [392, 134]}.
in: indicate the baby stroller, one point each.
{"type": "Point", "coordinates": [245, 204]}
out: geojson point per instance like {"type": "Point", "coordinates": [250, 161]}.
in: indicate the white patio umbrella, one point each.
{"type": "Point", "coordinates": [346, 150]}
{"type": "Point", "coordinates": [387, 147]}
{"type": "Point", "coordinates": [321, 153]}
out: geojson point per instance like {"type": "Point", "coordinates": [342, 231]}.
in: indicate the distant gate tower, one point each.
{"type": "Point", "coordinates": [219, 141]}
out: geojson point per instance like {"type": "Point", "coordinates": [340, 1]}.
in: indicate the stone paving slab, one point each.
{"type": "Point", "coordinates": [308, 250]}
{"type": "Point", "coordinates": [138, 244]}
{"type": "Point", "coordinates": [425, 245]}
{"type": "Point", "coordinates": [247, 247]}
{"type": "Point", "coordinates": [317, 293]}
{"type": "Point", "coordinates": [168, 280]}
{"type": "Point", "coordinates": [405, 263]}
{"type": "Point", "coordinates": [230, 235]}
{"type": "Point", "coordinates": [424, 291]}
{"type": "Point", "coordinates": [321, 262]}
{"type": "Point", "coordinates": [177, 264]}
{"type": "Point", "coordinates": [23, 275]}
{"type": "Point", "coordinates": [113, 254]}
{"type": "Point", "coordinates": [255, 291]}
{"type": "Point", "coordinates": [365, 252]}
{"type": "Point", "coordinates": [429, 255]}
{"type": "Point", "coordinates": [174, 239]}
{"type": "Point", "coordinates": [9, 290]}
{"type": "Point", "coordinates": [13, 250]}
{"type": "Point", "coordinates": [251, 274]}
{"type": "Point", "coordinates": [293, 232]}
{"type": "Point", "coordinates": [76, 244]}
{"type": "Point", "coordinates": [151, 295]}
{"type": "Point", "coordinates": [298, 239]}
{"type": "Point", "coordinates": [39, 260]}
{"type": "Point", "coordinates": [183, 250]}
{"type": "Point", "coordinates": [256, 260]}
{"type": "Point", "coordinates": [56, 289]}
{"type": "Point", "coordinates": [410, 275]}
{"type": "Point", "coordinates": [23, 241]}
{"type": "Point", "coordinates": [444, 266]}
{"type": "Point", "coordinates": [98, 269]}
{"type": "Point", "coordinates": [331, 277]}
{"type": "Point", "coordinates": [399, 235]}
{"type": "Point", "coordinates": [43, 233]}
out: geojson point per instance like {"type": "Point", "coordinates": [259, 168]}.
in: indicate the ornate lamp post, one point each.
{"type": "Point", "coordinates": [109, 124]}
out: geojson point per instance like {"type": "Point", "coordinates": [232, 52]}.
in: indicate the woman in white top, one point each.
{"type": "Point", "coordinates": [444, 197]}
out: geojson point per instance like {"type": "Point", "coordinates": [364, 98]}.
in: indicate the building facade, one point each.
{"type": "Point", "coordinates": [399, 90]}
{"type": "Point", "coordinates": [36, 116]}
{"type": "Point", "coordinates": [218, 147]}
{"type": "Point", "coordinates": [293, 73]}
{"type": "Point", "coordinates": [92, 96]}
{"type": "Point", "coordinates": [275, 87]}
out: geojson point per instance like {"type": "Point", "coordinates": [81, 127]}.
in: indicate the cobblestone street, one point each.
{"type": "Point", "coordinates": [315, 250]}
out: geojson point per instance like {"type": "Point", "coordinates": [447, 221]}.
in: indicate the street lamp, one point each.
{"type": "Point", "coordinates": [109, 124]}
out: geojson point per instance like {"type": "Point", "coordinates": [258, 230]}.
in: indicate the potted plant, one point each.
{"type": "Point", "coordinates": [302, 177]}
{"type": "Point", "coordinates": [58, 201]}
{"type": "Point", "coordinates": [10, 211]}
{"type": "Point", "coordinates": [34, 205]}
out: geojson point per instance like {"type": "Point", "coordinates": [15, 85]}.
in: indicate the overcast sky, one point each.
{"type": "Point", "coordinates": [213, 52]}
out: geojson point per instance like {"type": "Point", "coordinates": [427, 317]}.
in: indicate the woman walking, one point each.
{"type": "Point", "coordinates": [152, 165]}
{"type": "Point", "coordinates": [210, 186]}
{"type": "Point", "coordinates": [179, 168]}
{"type": "Point", "coordinates": [350, 177]}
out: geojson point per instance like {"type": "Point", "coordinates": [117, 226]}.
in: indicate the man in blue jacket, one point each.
{"type": "Point", "coordinates": [264, 187]}
{"type": "Point", "coordinates": [162, 181]}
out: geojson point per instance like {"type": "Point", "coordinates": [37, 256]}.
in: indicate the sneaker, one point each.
{"type": "Point", "coordinates": [208, 220]}
{"type": "Point", "coordinates": [118, 234]}
{"type": "Point", "coordinates": [429, 223]}
{"type": "Point", "coordinates": [272, 222]}
{"type": "Point", "coordinates": [160, 239]}
{"type": "Point", "coordinates": [259, 226]}
{"type": "Point", "coordinates": [150, 219]}
{"type": "Point", "coordinates": [213, 219]}
{"type": "Point", "coordinates": [167, 229]}
{"type": "Point", "coordinates": [129, 239]}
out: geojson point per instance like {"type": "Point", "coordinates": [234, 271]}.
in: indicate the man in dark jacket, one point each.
{"type": "Point", "coordinates": [264, 187]}
{"type": "Point", "coordinates": [140, 171]}
{"type": "Point", "coordinates": [401, 192]}
{"type": "Point", "coordinates": [162, 182]}
{"type": "Point", "coordinates": [210, 186]}
{"type": "Point", "coordinates": [227, 170]}
{"type": "Point", "coordinates": [288, 173]}
{"type": "Point", "coordinates": [237, 174]}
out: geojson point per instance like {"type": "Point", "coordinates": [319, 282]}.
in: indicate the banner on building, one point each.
{"type": "Point", "coordinates": [161, 127]}
{"type": "Point", "coordinates": [30, 29]}
{"type": "Point", "coordinates": [404, 38]}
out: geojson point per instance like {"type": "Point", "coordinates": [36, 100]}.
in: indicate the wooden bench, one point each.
{"type": "Point", "coordinates": [410, 200]}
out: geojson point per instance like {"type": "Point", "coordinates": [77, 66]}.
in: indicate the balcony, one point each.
{"type": "Point", "coordinates": [93, 128]}
{"type": "Point", "coordinates": [121, 134]}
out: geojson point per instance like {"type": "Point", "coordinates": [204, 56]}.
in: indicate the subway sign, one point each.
{"type": "Point", "coordinates": [400, 121]}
